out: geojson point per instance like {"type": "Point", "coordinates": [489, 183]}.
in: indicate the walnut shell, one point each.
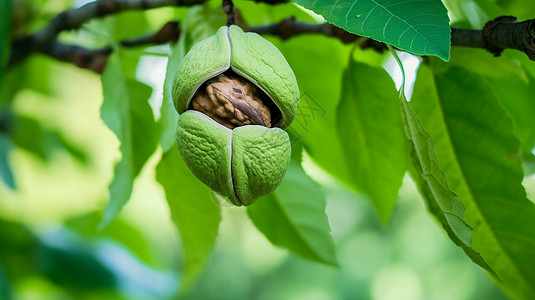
{"type": "Point", "coordinates": [232, 101]}
{"type": "Point", "coordinates": [235, 93]}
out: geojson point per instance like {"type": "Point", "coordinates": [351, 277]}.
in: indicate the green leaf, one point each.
{"type": "Point", "coordinates": [418, 26]}
{"type": "Point", "coordinates": [169, 115]}
{"type": "Point", "coordinates": [370, 129]}
{"type": "Point", "coordinates": [294, 217]}
{"type": "Point", "coordinates": [433, 183]}
{"type": "Point", "coordinates": [5, 33]}
{"type": "Point", "coordinates": [5, 169]}
{"type": "Point", "coordinates": [5, 287]}
{"type": "Point", "coordinates": [316, 119]}
{"type": "Point", "coordinates": [127, 113]}
{"type": "Point", "coordinates": [512, 83]}
{"type": "Point", "coordinates": [63, 257]}
{"type": "Point", "coordinates": [200, 23]}
{"type": "Point", "coordinates": [193, 211]}
{"type": "Point", "coordinates": [481, 158]}
{"type": "Point", "coordinates": [119, 230]}
{"type": "Point", "coordinates": [516, 95]}
{"type": "Point", "coordinates": [528, 163]}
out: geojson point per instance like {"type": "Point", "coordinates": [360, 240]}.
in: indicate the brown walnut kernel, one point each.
{"type": "Point", "coordinates": [232, 101]}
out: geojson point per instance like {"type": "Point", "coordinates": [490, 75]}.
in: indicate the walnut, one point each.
{"type": "Point", "coordinates": [240, 163]}
{"type": "Point", "coordinates": [232, 101]}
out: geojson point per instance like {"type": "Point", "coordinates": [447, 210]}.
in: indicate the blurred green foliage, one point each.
{"type": "Point", "coordinates": [78, 149]}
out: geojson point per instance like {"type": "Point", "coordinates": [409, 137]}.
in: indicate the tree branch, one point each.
{"type": "Point", "coordinates": [289, 27]}
{"type": "Point", "coordinates": [74, 18]}
{"type": "Point", "coordinates": [501, 33]}
{"type": "Point", "coordinates": [497, 35]}
{"type": "Point", "coordinates": [228, 8]}
{"type": "Point", "coordinates": [96, 59]}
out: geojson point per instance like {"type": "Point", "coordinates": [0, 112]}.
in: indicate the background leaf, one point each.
{"type": "Point", "coordinates": [193, 211]}
{"type": "Point", "coordinates": [5, 33]}
{"type": "Point", "coordinates": [127, 113]}
{"type": "Point", "coordinates": [369, 126]}
{"type": "Point", "coordinates": [169, 115]}
{"type": "Point", "coordinates": [294, 217]}
{"type": "Point", "coordinates": [43, 142]}
{"type": "Point", "coordinates": [6, 174]}
{"type": "Point", "coordinates": [314, 124]}
{"type": "Point", "coordinates": [5, 288]}
{"type": "Point", "coordinates": [418, 26]}
{"type": "Point", "coordinates": [480, 155]}
{"type": "Point", "coordinates": [119, 231]}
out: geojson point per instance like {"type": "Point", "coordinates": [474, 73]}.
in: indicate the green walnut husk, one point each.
{"type": "Point", "coordinates": [240, 162]}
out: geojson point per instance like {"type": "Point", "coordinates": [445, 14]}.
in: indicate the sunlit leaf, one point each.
{"type": "Point", "coordinates": [127, 113]}
{"type": "Point", "coordinates": [371, 132]}
{"type": "Point", "coordinates": [480, 155]}
{"type": "Point", "coordinates": [194, 213]}
{"type": "Point", "coordinates": [528, 163]}
{"type": "Point", "coordinates": [418, 26]}
{"type": "Point", "coordinates": [496, 8]}
{"type": "Point", "coordinates": [294, 217]}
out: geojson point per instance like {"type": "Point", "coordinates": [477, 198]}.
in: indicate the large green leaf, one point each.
{"type": "Point", "coordinates": [441, 201]}
{"type": "Point", "coordinates": [480, 155]}
{"type": "Point", "coordinates": [418, 26]}
{"type": "Point", "coordinates": [294, 217]}
{"type": "Point", "coordinates": [127, 113]}
{"type": "Point", "coordinates": [370, 129]}
{"type": "Point", "coordinates": [193, 211]}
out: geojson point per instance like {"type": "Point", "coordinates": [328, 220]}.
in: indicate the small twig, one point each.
{"type": "Point", "coordinates": [91, 59]}
{"type": "Point", "coordinates": [501, 33]}
{"type": "Point", "coordinates": [272, 2]}
{"type": "Point", "coordinates": [96, 59]}
{"type": "Point", "coordinates": [228, 8]}
{"type": "Point", "coordinates": [289, 27]}
{"type": "Point", "coordinates": [497, 35]}
{"type": "Point", "coordinates": [170, 32]}
{"type": "Point", "coordinates": [74, 18]}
